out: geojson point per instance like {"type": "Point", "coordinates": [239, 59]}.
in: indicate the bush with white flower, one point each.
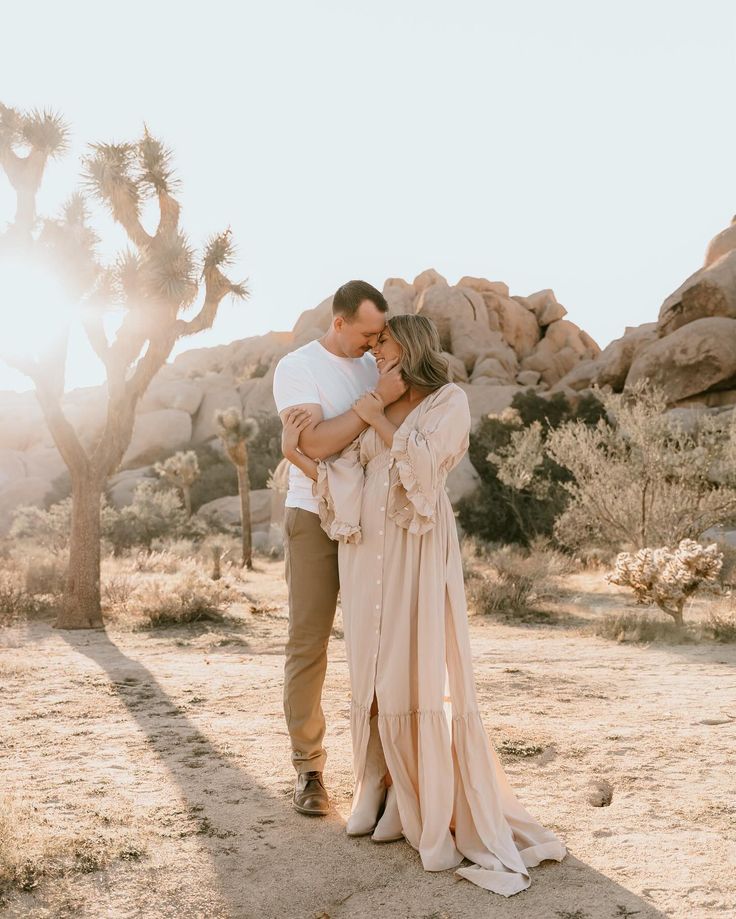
{"type": "Point", "coordinates": [668, 577]}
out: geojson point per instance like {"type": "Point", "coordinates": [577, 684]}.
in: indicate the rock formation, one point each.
{"type": "Point", "coordinates": [690, 351]}
{"type": "Point", "coordinates": [496, 345]}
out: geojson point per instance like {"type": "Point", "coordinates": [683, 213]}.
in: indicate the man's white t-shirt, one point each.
{"type": "Point", "coordinates": [312, 374]}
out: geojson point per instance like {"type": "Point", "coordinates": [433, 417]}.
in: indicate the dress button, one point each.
{"type": "Point", "coordinates": [378, 605]}
{"type": "Point", "coordinates": [380, 532]}
{"type": "Point", "coordinates": [378, 556]}
{"type": "Point", "coordinates": [385, 483]}
{"type": "Point", "coordinates": [383, 508]}
{"type": "Point", "coordinates": [378, 581]}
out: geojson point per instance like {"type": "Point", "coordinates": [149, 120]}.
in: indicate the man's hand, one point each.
{"type": "Point", "coordinates": [369, 407]}
{"type": "Point", "coordinates": [391, 384]}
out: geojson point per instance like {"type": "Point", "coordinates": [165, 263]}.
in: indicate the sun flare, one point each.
{"type": "Point", "coordinates": [37, 308]}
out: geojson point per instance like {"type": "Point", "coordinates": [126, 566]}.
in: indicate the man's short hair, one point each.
{"type": "Point", "coordinates": [348, 298]}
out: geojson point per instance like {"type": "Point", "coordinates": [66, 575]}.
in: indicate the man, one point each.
{"type": "Point", "coordinates": [325, 376]}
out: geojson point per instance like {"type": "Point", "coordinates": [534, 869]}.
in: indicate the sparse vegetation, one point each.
{"type": "Point", "coordinates": [34, 847]}
{"type": "Point", "coordinates": [516, 504]}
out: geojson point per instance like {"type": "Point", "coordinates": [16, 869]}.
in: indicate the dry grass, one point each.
{"type": "Point", "coordinates": [719, 624]}
{"type": "Point", "coordinates": [38, 845]}
{"type": "Point", "coordinates": [175, 599]}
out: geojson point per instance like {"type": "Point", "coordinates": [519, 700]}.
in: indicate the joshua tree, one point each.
{"type": "Point", "coordinates": [182, 470]}
{"type": "Point", "coordinates": [235, 431]}
{"type": "Point", "coordinates": [150, 285]}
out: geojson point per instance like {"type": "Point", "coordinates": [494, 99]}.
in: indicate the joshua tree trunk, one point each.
{"type": "Point", "coordinates": [186, 494]}
{"type": "Point", "coordinates": [244, 490]}
{"type": "Point", "coordinates": [81, 605]}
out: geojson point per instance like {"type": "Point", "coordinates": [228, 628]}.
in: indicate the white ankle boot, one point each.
{"type": "Point", "coordinates": [364, 815]}
{"type": "Point", "coordinates": [389, 826]}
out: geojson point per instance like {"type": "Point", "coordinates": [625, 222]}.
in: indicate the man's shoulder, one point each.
{"type": "Point", "coordinates": [300, 356]}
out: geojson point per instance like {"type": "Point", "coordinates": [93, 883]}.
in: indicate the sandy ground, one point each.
{"type": "Point", "coordinates": [181, 732]}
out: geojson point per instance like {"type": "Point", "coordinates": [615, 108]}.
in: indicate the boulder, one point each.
{"type": "Point", "coordinates": [443, 304]}
{"type": "Point", "coordinates": [205, 426]}
{"type": "Point", "coordinates": [614, 361]}
{"type": "Point", "coordinates": [227, 509]}
{"type": "Point", "coordinates": [709, 292]}
{"type": "Point", "coordinates": [400, 299]}
{"type": "Point", "coordinates": [470, 335]}
{"type": "Point", "coordinates": [260, 399]}
{"type": "Point", "coordinates": [695, 358]}
{"type": "Point", "coordinates": [456, 367]}
{"type": "Point", "coordinates": [483, 284]}
{"type": "Point", "coordinates": [485, 400]}
{"type": "Point", "coordinates": [320, 317]}
{"type": "Point", "coordinates": [185, 395]}
{"type": "Point", "coordinates": [528, 377]}
{"type": "Point", "coordinates": [167, 429]}
{"type": "Point", "coordinates": [427, 279]}
{"type": "Point", "coordinates": [544, 305]}
{"type": "Point", "coordinates": [580, 377]}
{"type": "Point", "coordinates": [517, 324]}
{"type": "Point", "coordinates": [462, 480]}
{"type": "Point", "coordinates": [721, 244]}
{"type": "Point", "coordinates": [491, 370]}
{"type": "Point", "coordinates": [122, 485]}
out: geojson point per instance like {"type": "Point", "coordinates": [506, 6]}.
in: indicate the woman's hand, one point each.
{"type": "Point", "coordinates": [294, 421]}
{"type": "Point", "coordinates": [369, 407]}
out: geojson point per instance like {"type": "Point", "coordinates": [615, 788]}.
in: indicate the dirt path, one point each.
{"type": "Point", "coordinates": [177, 736]}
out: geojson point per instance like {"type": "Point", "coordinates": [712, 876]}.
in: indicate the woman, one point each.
{"type": "Point", "coordinates": [437, 778]}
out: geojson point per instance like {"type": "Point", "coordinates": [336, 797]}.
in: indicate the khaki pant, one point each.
{"type": "Point", "coordinates": [312, 577]}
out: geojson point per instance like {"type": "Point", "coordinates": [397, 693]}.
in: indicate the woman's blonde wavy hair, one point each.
{"type": "Point", "coordinates": [422, 364]}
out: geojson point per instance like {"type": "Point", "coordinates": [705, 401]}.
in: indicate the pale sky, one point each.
{"type": "Point", "coordinates": [586, 147]}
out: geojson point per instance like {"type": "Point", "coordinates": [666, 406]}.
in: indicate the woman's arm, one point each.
{"type": "Point", "coordinates": [295, 420]}
{"type": "Point", "coordinates": [371, 409]}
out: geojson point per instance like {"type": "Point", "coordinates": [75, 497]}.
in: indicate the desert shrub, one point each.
{"type": "Point", "coordinates": [158, 561]}
{"type": "Point", "coordinates": [512, 584]}
{"type": "Point", "coordinates": [720, 624]}
{"type": "Point", "coordinates": [47, 528]}
{"type": "Point", "coordinates": [642, 479]}
{"type": "Point", "coordinates": [16, 603]}
{"type": "Point", "coordinates": [44, 576]}
{"type": "Point", "coordinates": [186, 597]}
{"type": "Point", "coordinates": [668, 577]}
{"type": "Point", "coordinates": [499, 511]}
{"type": "Point", "coordinates": [116, 592]}
{"type": "Point", "coordinates": [217, 478]}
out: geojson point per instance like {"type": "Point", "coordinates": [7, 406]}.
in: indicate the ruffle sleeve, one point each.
{"type": "Point", "coordinates": [424, 452]}
{"type": "Point", "coordinates": [339, 493]}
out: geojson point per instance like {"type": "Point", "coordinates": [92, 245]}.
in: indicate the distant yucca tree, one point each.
{"type": "Point", "coordinates": [182, 471]}
{"type": "Point", "coordinates": [235, 431]}
{"type": "Point", "coordinates": [151, 284]}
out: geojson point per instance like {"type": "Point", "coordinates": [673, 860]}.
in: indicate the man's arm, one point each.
{"type": "Point", "coordinates": [323, 438]}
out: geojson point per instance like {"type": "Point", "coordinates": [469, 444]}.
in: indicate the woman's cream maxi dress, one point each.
{"type": "Point", "coordinates": [406, 633]}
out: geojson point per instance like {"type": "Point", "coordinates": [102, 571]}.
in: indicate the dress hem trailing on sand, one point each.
{"type": "Point", "coordinates": [406, 638]}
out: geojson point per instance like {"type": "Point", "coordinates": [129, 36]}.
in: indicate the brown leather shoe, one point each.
{"type": "Point", "coordinates": [310, 796]}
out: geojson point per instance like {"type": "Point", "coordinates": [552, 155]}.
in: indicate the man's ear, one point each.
{"type": "Point", "coordinates": [338, 322]}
